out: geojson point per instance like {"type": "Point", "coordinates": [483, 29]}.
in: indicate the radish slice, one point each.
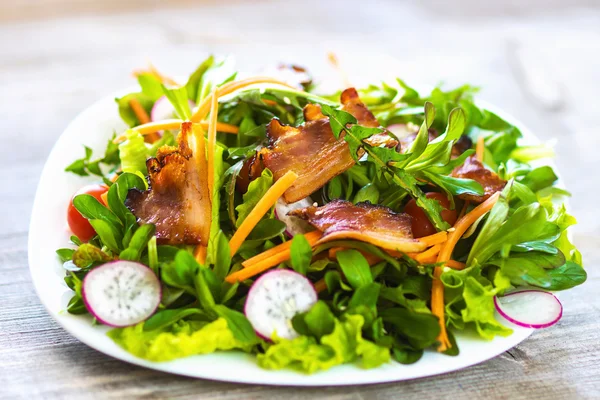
{"type": "Point", "coordinates": [121, 293]}
{"type": "Point", "coordinates": [530, 308]}
{"type": "Point", "coordinates": [274, 299]}
{"type": "Point", "coordinates": [294, 225]}
{"type": "Point", "coordinates": [163, 109]}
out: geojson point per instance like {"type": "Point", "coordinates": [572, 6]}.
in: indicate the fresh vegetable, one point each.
{"type": "Point", "coordinates": [78, 224]}
{"type": "Point", "coordinates": [421, 225]}
{"type": "Point", "coordinates": [530, 308]}
{"type": "Point", "coordinates": [274, 299]}
{"type": "Point", "coordinates": [418, 213]}
{"type": "Point", "coordinates": [293, 225]}
{"type": "Point", "coordinates": [121, 293]}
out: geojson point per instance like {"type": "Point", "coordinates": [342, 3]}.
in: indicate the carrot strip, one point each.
{"type": "Point", "coordinates": [231, 87]}
{"type": "Point", "coordinates": [455, 264]}
{"type": "Point", "coordinates": [320, 285]}
{"type": "Point", "coordinates": [437, 290]}
{"type": "Point", "coordinates": [212, 138]}
{"type": "Point", "coordinates": [479, 149]}
{"type": "Point", "coordinates": [434, 239]}
{"type": "Point", "coordinates": [175, 124]}
{"type": "Point", "coordinates": [278, 249]}
{"type": "Point", "coordinates": [200, 254]}
{"type": "Point", "coordinates": [261, 208]}
{"type": "Point", "coordinates": [139, 111]}
{"type": "Point", "coordinates": [265, 264]}
{"type": "Point", "coordinates": [427, 254]}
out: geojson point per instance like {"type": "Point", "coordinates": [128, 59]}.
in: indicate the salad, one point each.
{"type": "Point", "coordinates": [311, 230]}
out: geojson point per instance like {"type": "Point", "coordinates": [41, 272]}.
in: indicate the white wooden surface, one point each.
{"type": "Point", "coordinates": [539, 61]}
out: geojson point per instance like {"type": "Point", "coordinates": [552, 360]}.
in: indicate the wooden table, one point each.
{"type": "Point", "coordinates": [537, 60]}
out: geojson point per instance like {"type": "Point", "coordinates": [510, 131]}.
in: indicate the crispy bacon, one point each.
{"type": "Point", "coordinates": [374, 224]}
{"type": "Point", "coordinates": [473, 169]}
{"type": "Point", "coordinates": [177, 201]}
{"type": "Point", "coordinates": [311, 150]}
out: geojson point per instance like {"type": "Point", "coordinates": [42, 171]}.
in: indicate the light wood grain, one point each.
{"type": "Point", "coordinates": [523, 54]}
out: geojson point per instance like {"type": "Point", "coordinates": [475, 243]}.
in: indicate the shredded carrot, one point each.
{"type": "Point", "coordinates": [200, 254]}
{"type": "Point", "coordinates": [463, 210]}
{"type": "Point", "coordinates": [175, 124]}
{"type": "Point", "coordinates": [261, 208]}
{"type": "Point", "coordinates": [437, 290]}
{"type": "Point", "coordinates": [204, 107]}
{"type": "Point", "coordinates": [427, 254]}
{"type": "Point", "coordinates": [212, 139]}
{"type": "Point", "coordinates": [278, 249]}
{"type": "Point", "coordinates": [320, 285]}
{"type": "Point", "coordinates": [265, 264]}
{"type": "Point", "coordinates": [139, 111]}
{"type": "Point", "coordinates": [455, 264]}
{"type": "Point", "coordinates": [479, 149]}
{"type": "Point", "coordinates": [434, 239]}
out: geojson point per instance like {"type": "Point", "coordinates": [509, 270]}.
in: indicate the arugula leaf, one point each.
{"type": "Point", "coordinates": [85, 166]}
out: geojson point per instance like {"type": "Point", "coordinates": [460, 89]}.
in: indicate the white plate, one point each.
{"type": "Point", "coordinates": [48, 232]}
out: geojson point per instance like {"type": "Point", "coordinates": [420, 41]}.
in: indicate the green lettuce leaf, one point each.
{"type": "Point", "coordinates": [183, 339]}
{"type": "Point", "coordinates": [133, 153]}
{"type": "Point", "coordinates": [344, 345]}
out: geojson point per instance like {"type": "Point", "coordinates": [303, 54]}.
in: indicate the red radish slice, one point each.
{"type": "Point", "coordinates": [274, 299]}
{"type": "Point", "coordinates": [163, 109]}
{"type": "Point", "coordinates": [294, 225]}
{"type": "Point", "coordinates": [530, 308]}
{"type": "Point", "coordinates": [121, 293]}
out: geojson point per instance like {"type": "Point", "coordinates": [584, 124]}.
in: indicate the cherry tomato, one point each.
{"type": "Point", "coordinates": [77, 223]}
{"type": "Point", "coordinates": [421, 225]}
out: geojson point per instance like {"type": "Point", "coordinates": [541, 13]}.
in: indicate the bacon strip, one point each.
{"type": "Point", "coordinates": [311, 150]}
{"type": "Point", "coordinates": [177, 201]}
{"type": "Point", "coordinates": [369, 223]}
{"type": "Point", "coordinates": [473, 169]}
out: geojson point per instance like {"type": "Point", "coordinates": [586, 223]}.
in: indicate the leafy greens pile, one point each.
{"type": "Point", "coordinates": [368, 314]}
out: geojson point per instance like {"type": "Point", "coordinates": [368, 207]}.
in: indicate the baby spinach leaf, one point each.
{"type": "Point", "coordinates": [256, 191]}
{"type": "Point", "coordinates": [238, 324]}
{"type": "Point", "coordinates": [110, 235]}
{"type": "Point", "coordinates": [166, 318]}
{"type": "Point", "coordinates": [138, 242]}
{"type": "Point", "coordinates": [419, 329]}
{"type": "Point", "coordinates": [318, 321]}
{"type": "Point", "coordinates": [355, 267]}
{"type": "Point", "coordinates": [369, 193]}
{"type": "Point", "coordinates": [567, 276]}
{"type": "Point", "coordinates": [65, 255]}
{"type": "Point", "coordinates": [300, 254]}
{"type": "Point", "coordinates": [222, 261]}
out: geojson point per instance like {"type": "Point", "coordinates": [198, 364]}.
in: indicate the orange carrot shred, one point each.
{"type": "Point", "coordinates": [278, 249]}
{"type": "Point", "coordinates": [204, 107]}
{"type": "Point", "coordinates": [434, 239]}
{"type": "Point", "coordinates": [175, 124]}
{"type": "Point", "coordinates": [437, 290]}
{"type": "Point", "coordinates": [265, 264]}
{"type": "Point", "coordinates": [139, 111]}
{"type": "Point", "coordinates": [261, 208]}
{"type": "Point", "coordinates": [200, 254]}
